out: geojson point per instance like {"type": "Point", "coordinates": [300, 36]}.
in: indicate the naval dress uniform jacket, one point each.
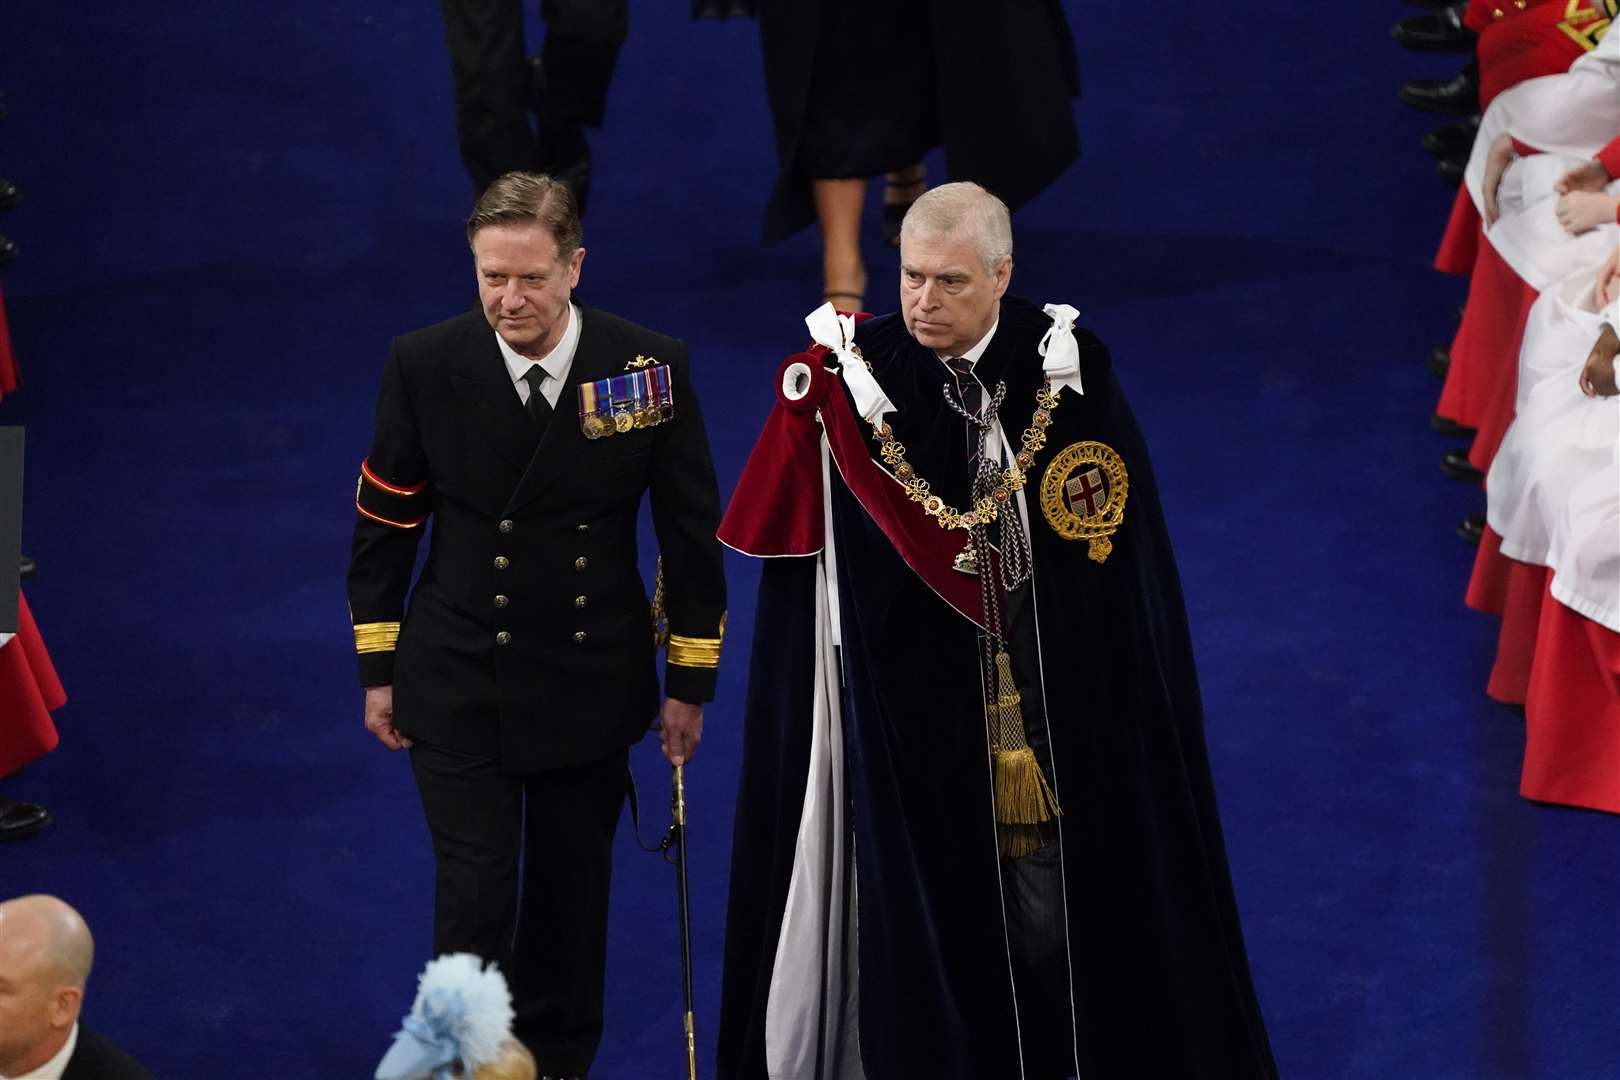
{"type": "Point", "coordinates": [528, 637]}
{"type": "Point", "coordinates": [523, 666]}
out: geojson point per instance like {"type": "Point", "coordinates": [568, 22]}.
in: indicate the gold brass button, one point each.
{"type": "Point", "coordinates": [1521, 4]}
{"type": "Point", "coordinates": [579, 637]}
{"type": "Point", "coordinates": [1497, 13]}
{"type": "Point", "coordinates": [502, 562]}
{"type": "Point", "coordinates": [582, 529]}
{"type": "Point", "coordinates": [505, 526]}
{"type": "Point", "coordinates": [503, 638]}
{"type": "Point", "coordinates": [581, 563]}
{"type": "Point", "coordinates": [579, 601]}
{"type": "Point", "coordinates": [501, 601]}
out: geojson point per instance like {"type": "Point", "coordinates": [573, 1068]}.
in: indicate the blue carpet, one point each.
{"type": "Point", "coordinates": [232, 208]}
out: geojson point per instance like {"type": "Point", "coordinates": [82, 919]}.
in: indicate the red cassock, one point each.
{"type": "Point", "coordinates": [1481, 386]}
{"type": "Point", "coordinates": [29, 690]}
{"type": "Point", "coordinates": [1543, 37]}
{"type": "Point", "coordinates": [8, 363]}
{"type": "Point", "coordinates": [1565, 669]}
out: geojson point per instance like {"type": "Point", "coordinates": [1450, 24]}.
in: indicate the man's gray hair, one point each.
{"type": "Point", "coordinates": [963, 210]}
{"type": "Point", "coordinates": [521, 198]}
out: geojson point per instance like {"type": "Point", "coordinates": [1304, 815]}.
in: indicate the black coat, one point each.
{"type": "Point", "coordinates": [94, 1058]}
{"type": "Point", "coordinates": [1002, 75]}
{"type": "Point", "coordinates": [529, 637]}
{"type": "Point", "coordinates": [1160, 979]}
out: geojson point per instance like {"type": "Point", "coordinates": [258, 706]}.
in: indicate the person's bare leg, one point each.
{"type": "Point", "coordinates": [843, 273]}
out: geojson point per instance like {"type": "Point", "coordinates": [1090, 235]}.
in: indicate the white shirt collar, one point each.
{"type": "Point", "coordinates": [557, 362]}
{"type": "Point", "coordinates": [973, 354]}
{"type": "Point", "coordinates": [54, 1068]}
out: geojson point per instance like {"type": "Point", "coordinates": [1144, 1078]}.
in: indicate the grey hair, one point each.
{"type": "Point", "coordinates": [963, 210]}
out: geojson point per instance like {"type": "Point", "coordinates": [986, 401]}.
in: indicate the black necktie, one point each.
{"type": "Point", "coordinates": [539, 407]}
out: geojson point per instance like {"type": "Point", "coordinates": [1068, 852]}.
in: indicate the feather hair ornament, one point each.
{"type": "Point", "coordinates": [462, 1014]}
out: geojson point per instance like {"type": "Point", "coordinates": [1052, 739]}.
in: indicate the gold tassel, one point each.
{"type": "Point", "coordinates": [1023, 797]}
{"type": "Point", "coordinates": [1016, 841]}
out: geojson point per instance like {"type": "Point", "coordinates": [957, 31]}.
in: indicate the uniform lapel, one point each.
{"type": "Point", "coordinates": [593, 359]}
{"type": "Point", "coordinates": [484, 390]}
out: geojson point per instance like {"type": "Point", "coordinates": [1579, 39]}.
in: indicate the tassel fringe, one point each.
{"type": "Point", "coordinates": [1022, 794]}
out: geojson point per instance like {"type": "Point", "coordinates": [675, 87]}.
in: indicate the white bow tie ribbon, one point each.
{"type": "Point", "coordinates": [1062, 352]}
{"type": "Point", "coordinates": [837, 332]}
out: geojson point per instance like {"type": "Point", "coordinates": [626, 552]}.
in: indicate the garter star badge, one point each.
{"type": "Point", "coordinates": [1083, 492]}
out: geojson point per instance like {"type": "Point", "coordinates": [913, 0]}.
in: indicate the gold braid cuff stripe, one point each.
{"type": "Point", "coordinates": [988, 508]}
{"type": "Point", "coordinates": [694, 652]}
{"type": "Point", "coordinates": [376, 637]}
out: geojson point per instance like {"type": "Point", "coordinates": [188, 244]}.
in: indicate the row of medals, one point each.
{"type": "Point", "coordinates": [623, 420]}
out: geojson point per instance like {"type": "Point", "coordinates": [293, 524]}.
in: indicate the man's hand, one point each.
{"type": "Point", "coordinates": [1597, 377]}
{"type": "Point", "coordinates": [1501, 155]}
{"type": "Point", "coordinates": [380, 717]}
{"type": "Point", "coordinates": [680, 729]}
{"type": "Point", "coordinates": [1579, 211]}
{"type": "Point", "coordinates": [1608, 279]}
{"type": "Point", "coordinates": [1591, 176]}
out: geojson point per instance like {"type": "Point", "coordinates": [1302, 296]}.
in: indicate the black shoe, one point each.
{"type": "Point", "coordinates": [1459, 95]}
{"type": "Point", "coordinates": [20, 819]}
{"type": "Point", "coordinates": [1450, 428]}
{"type": "Point", "coordinates": [1451, 170]}
{"type": "Point", "coordinates": [1472, 528]}
{"type": "Point", "coordinates": [8, 250]}
{"type": "Point", "coordinates": [28, 568]}
{"type": "Point", "coordinates": [10, 194]}
{"type": "Point", "coordinates": [1440, 360]}
{"type": "Point", "coordinates": [1453, 140]}
{"type": "Point", "coordinates": [1442, 31]}
{"type": "Point", "coordinates": [1456, 465]}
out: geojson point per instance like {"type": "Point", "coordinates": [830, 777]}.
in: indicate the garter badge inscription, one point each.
{"type": "Point", "coordinates": [1083, 492]}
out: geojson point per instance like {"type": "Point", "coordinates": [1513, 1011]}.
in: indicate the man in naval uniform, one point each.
{"type": "Point", "coordinates": [524, 668]}
{"type": "Point", "coordinates": [975, 835]}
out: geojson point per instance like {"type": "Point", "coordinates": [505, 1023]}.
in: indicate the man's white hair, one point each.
{"type": "Point", "coordinates": [963, 210]}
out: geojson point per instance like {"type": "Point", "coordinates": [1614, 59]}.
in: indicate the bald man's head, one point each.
{"type": "Point", "coordinates": [45, 957]}
{"type": "Point", "coordinates": [59, 933]}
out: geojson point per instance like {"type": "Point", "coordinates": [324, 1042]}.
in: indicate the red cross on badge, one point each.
{"type": "Point", "coordinates": [1086, 489]}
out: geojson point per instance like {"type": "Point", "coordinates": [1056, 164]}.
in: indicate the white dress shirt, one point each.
{"type": "Point", "coordinates": [972, 355]}
{"type": "Point", "coordinates": [54, 1068]}
{"type": "Point", "coordinates": [556, 363]}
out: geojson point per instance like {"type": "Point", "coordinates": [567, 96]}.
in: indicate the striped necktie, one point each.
{"type": "Point", "coordinates": [972, 395]}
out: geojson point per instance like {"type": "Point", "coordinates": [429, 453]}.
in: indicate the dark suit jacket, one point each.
{"type": "Point", "coordinates": [528, 637]}
{"type": "Point", "coordinates": [94, 1058]}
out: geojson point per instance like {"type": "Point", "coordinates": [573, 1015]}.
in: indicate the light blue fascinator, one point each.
{"type": "Point", "coordinates": [462, 1015]}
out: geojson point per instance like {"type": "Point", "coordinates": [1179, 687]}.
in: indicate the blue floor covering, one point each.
{"type": "Point", "coordinates": [231, 208]}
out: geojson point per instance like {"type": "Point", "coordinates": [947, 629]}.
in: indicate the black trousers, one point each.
{"type": "Point", "coordinates": [494, 88]}
{"type": "Point", "coordinates": [523, 865]}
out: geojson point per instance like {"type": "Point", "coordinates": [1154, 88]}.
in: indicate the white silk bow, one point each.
{"type": "Point", "coordinates": [837, 332]}
{"type": "Point", "coordinates": [1062, 364]}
